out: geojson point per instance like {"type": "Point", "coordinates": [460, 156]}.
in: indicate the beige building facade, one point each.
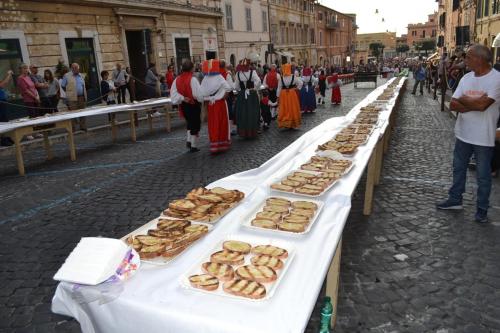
{"type": "Point", "coordinates": [99, 34]}
{"type": "Point", "coordinates": [488, 24]}
{"type": "Point", "coordinates": [363, 41]}
{"type": "Point", "coordinates": [246, 30]}
{"type": "Point", "coordinates": [456, 24]}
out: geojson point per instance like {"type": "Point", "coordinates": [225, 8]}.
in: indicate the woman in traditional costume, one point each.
{"type": "Point", "coordinates": [247, 102]}
{"type": "Point", "coordinates": [215, 89]}
{"type": "Point", "coordinates": [335, 83]}
{"type": "Point", "coordinates": [186, 92]}
{"type": "Point", "coordinates": [322, 87]}
{"type": "Point", "coordinates": [228, 76]}
{"type": "Point", "coordinates": [307, 93]}
{"type": "Point", "coordinates": [289, 105]}
{"type": "Point", "coordinates": [271, 84]}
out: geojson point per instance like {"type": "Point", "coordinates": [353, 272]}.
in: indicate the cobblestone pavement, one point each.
{"type": "Point", "coordinates": [449, 281]}
{"type": "Point", "coordinates": [110, 190]}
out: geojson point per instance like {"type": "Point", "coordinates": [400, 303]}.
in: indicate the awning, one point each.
{"type": "Point", "coordinates": [496, 41]}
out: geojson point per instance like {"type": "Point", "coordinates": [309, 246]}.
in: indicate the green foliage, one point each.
{"type": "Point", "coordinates": [376, 49]}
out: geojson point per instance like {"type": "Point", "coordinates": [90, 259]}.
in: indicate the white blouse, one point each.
{"type": "Point", "coordinates": [177, 98]}
{"type": "Point", "coordinates": [288, 80]}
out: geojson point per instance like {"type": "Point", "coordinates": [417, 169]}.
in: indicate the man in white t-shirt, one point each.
{"type": "Point", "coordinates": [477, 101]}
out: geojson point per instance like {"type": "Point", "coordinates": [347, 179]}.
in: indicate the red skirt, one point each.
{"type": "Point", "coordinates": [219, 131]}
{"type": "Point", "coordinates": [336, 95]}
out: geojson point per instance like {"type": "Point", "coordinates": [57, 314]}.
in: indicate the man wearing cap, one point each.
{"type": "Point", "coordinates": [73, 84]}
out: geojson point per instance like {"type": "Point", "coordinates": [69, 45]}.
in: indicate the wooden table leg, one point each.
{"type": "Point", "coordinates": [168, 121]}
{"type": "Point", "coordinates": [379, 151]}
{"type": "Point", "coordinates": [370, 184]}
{"type": "Point", "coordinates": [71, 140]}
{"type": "Point", "coordinates": [333, 281]}
{"type": "Point", "coordinates": [46, 143]}
{"type": "Point", "coordinates": [17, 136]}
{"type": "Point", "coordinates": [113, 126]}
{"type": "Point", "coordinates": [133, 134]}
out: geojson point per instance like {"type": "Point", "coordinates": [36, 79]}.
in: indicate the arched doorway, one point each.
{"type": "Point", "coordinates": [232, 60]}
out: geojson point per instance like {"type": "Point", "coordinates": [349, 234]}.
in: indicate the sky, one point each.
{"type": "Point", "coordinates": [396, 13]}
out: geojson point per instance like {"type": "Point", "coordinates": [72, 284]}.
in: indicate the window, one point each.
{"type": "Point", "coordinates": [229, 17]}
{"type": "Point", "coordinates": [496, 7]}
{"type": "Point", "coordinates": [10, 60]}
{"type": "Point", "coordinates": [423, 33]}
{"type": "Point", "coordinates": [320, 16]}
{"type": "Point", "coordinates": [274, 33]}
{"type": "Point", "coordinates": [264, 21]}
{"type": "Point", "coordinates": [486, 7]}
{"type": "Point", "coordinates": [320, 39]}
{"type": "Point", "coordinates": [283, 35]}
{"type": "Point", "coordinates": [248, 17]}
{"type": "Point", "coordinates": [313, 40]}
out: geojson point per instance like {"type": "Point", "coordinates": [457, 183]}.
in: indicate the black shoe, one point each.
{"type": "Point", "coordinates": [194, 150]}
{"type": "Point", "coordinates": [188, 145]}
{"type": "Point", "coordinates": [6, 142]}
{"type": "Point", "coordinates": [266, 127]}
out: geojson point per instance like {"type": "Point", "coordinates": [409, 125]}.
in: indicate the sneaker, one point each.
{"type": "Point", "coordinates": [194, 149]}
{"type": "Point", "coordinates": [481, 216]}
{"type": "Point", "coordinates": [449, 205]}
{"type": "Point", "coordinates": [233, 132]}
{"type": "Point", "coordinates": [30, 137]}
{"type": "Point", "coordinates": [38, 135]}
{"type": "Point", "coordinates": [156, 114]}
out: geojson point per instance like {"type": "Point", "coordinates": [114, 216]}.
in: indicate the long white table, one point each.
{"type": "Point", "coordinates": [16, 129]}
{"type": "Point", "coordinates": [154, 300]}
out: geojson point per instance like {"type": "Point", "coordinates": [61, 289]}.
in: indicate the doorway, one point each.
{"type": "Point", "coordinates": [210, 55]}
{"type": "Point", "coordinates": [181, 51]}
{"type": "Point", "coordinates": [81, 51]}
{"type": "Point", "coordinates": [139, 55]}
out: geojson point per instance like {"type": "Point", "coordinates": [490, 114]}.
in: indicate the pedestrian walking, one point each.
{"type": "Point", "coordinates": [322, 87]}
{"type": "Point", "coordinates": [28, 91]}
{"type": "Point", "coordinates": [53, 90]}
{"type": "Point", "coordinates": [41, 86]}
{"type": "Point", "coordinates": [4, 140]}
{"type": "Point", "coordinates": [73, 84]}
{"type": "Point", "coordinates": [307, 93]}
{"type": "Point", "coordinates": [419, 75]}
{"type": "Point", "coordinates": [477, 101]}
{"type": "Point", "coordinates": [119, 79]}
{"type": "Point", "coordinates": [289, 105]}
{"type": "Point", "coordinates": [215, 88]}
{"type": "Point", "coordinates": [247, 102]}
{"type": "Point", "coordinates": [334, 83]}
{"type": "Point", "coordinates": [186, 92]}
{"type": "Point", "coordinates": [271, 81]}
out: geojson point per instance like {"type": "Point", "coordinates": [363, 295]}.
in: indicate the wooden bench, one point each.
{"type": "Point", "coordinates": [365, 77]}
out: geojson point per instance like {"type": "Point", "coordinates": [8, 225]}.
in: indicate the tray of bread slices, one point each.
{"type": "Point", "coordinates": [163, 239]}
{"type": "Point", "coordinates": [204, 205]}
{"type": "Point", "coordinates": [242, 267]}
{"type": "Point", "coordinates": [285, 214]}
{"type": "Point", "coordinates": [315, 177]}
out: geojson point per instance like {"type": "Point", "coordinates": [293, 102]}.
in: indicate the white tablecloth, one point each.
{"type": "Point", "coordinates": [154, 300]}
{"type": "Point", "coordinates": [91, 111]}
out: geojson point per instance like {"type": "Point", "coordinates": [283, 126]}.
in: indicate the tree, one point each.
{"type": "Point", "coordinates": [402, 48]}
{"type": "Point", "coordinates": [377, 49]}
{"type": "Point", "coordinates": [428, 45]}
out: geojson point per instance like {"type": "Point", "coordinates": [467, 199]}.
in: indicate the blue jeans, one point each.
{"type": "Point", "coordinates": [461, 156]}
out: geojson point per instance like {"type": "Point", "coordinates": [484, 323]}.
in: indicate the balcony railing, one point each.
{"type": "Point", "coordinates": [333, 25]}
{"type": "Point", "coordinates": [181, 5]}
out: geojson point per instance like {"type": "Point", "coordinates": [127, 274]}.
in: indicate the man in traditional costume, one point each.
{"type": "Point", "coordinates": [186, 92]}
{"type": "Point", "coordinates": [271, 84]}
{"type": "Point", "coordinates": [335, 83]}
{"type": "Point", "coordinates": [307, 93]}
{"type": "Point", "coordinates": [215, 89]}
{"type": "Point", "coordinates": [289, 105]}
{"type": "Point", "coordinates": [247, 102]}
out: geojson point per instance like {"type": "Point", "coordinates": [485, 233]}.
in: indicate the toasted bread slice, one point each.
{"type": "Point", "coordinates": [278, 201]}
{"type": "Point", "coordinates": [203, 208]}
{"type": "Point", "coordinates": [291, 183]}
{"type": "Point", "coordinates": [270, 250]}
{"type": "Point", "coordinates": [267, 260]}
{"type": "Point", "coordinates": [169, 224]}
{"type": "Point", "coordinates": [263, 223]}
{"type": "Point", "coordinates": [305, 175]}
{"type": "Point", "coordinates": [281, 187]}
{"type": "Point", "coordinates": [196, 228]}
{"type": "Point", "coordinates": [223, 272]}
{"type": "Point", "coordinates": [300, 180]}
{"type": "Point", "coordinates": [237, 246]}
{"type": "Point", "coordinates": [296, 219]}
{"type": "Point", "coordinates": [268, 216]}
{"type": "Point", "coordinates": [204, 281]}
{"type": "Point", "coordinates": [292, 227]}
{"type": "Point", "coordinates": [183, 205]}
{"type": "Point", "coordinates": [212, 198]}
{"type": "Point", "coordinates": [149, 252]}
{"type": "Point", "coordinates": [223, 193]}
{"type": "Point", "coordinates": [149, 240]}
{"type": "Point", "coordinates": [188, 238]}
{"type": "Point", "coordinates": [175, 213]}
{"type": "Point", "coordinates": [303, 212]}
{"type": "Point", "coordinates": [245, 288]}
{"type": "Point", "coordinates": [307, 191]}
{"type": "Point", "coordinates": [276, 209]}
{"type": "Point", "coordinates": [174, 251]}
{"type": "Point", "coordinates": [227, 257]}
{"type": "Point", "coordinates": [164, 234]}
{"type": "Point", "coordinates": [304, 205]}
{"type": "Point", "coordinates": [262, 274]}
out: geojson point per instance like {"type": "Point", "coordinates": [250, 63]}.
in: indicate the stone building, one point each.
{"type": "Point", "coordinates": [99, 34]}
{"type": "Point", "coordinates": [292, 28]}
{"type": "Point", "coordinates": [246, 25]}
{"type": "Point", "coordinates": [456, 24]}
{"type": "Point", "coordinates": [335, 36]}
{"type": "Point", "coordinates": [488, 24]}
{"type": "Point", "coordinates": [388, 39]}
{"type": "Point", "coordinates": [420, 32]}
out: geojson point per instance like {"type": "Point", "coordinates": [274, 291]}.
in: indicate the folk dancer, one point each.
{"type": "Point", "coordinates": [334, 82]}
{"type": "Point", "coordinates": [307, 93]}
{"type": "Point", "coordinates": [265, 108]}
{"type": "Point", "coordinates": [271, 84]}
{"type": "Point", "coordinates": [247, 102]}
{"type": "Point", "coordinates": [322, 87]}
{"type": "Point", "coordinates": [186, 92]}
{"type": "Point", "coordinates": [228, 76]}
{"type": "Point", "coordinates": [215, 90]}
{"type": "Point", "coordinates": [289, 105]}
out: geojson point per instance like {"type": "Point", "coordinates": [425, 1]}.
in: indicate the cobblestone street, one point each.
{"type": "Point", "coordinates": [449, 282]}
